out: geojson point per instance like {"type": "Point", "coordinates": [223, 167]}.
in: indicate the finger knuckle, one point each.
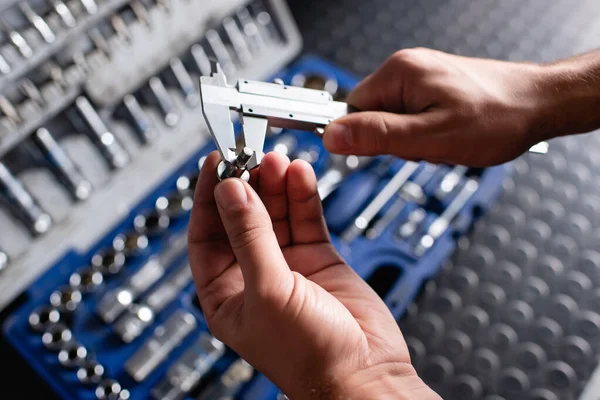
{"type": "Point", "coordinates": [380, 138]}
{"type": "Point", "coordinates": [244, 235]}
{"type": "Point", "coordinates": [411, 57]}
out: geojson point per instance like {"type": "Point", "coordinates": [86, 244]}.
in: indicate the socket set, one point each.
{"type": "Point", "coordinates": [121, 320]}
{"type": "Point", "coordinates": [92, 117]}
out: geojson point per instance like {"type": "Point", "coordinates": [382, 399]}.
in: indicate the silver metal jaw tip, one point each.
{"type": "Point", "coordinates": [227, 170]}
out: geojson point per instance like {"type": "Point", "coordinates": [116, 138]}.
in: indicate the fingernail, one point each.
{"type": "Point", "coordinates": [231, 194]}
{"type": "Point", "coordinates": [338, 137]}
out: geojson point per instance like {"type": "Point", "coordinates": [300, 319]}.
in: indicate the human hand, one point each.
{"type": "Point", "coordinates": [428, 105]}
{"type": "Point", "coordinates": [274, 289]}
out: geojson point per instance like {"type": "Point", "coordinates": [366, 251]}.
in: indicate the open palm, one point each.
{"type": "Point", "coordinates": [274, 289]}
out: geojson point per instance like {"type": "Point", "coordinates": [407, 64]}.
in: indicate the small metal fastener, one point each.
{"type": "Point", "coordinates": [56, 336]}
{"type": "Point", "coordinates": [131, 243]}
{"type": "Point", "coordinates": [66, 298]}
{"type": "Point", "coordinates": [175, 205]}
{"type": "Point", "coordinates": [90, 372]}
{"type": "Point", "coordinates": [43, 317]}
{"type": "Point", "coordinates": [72, 355]}
{"type": "Point", "coordinates": [109, 262]}
{"type": "Point", "coordinates": [236, 169]}
{"type": "Point", "coordinates": [153, 223]}
{"type": "Point", "coordinates": [86, 280]}
{"type": "Point", "coordinates": [110, 389]}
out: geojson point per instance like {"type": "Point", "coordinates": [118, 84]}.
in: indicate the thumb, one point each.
{"type": "Point", "coordinates": [252, 239]}
{"type": "Point", "coordinates": [376, 133]}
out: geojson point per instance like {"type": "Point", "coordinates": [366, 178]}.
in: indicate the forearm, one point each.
{"type": "Point", "coordinates": [569, 97]}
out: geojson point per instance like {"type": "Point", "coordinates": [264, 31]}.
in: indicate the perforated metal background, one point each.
{"type": "Point", "coordinates": [516, 314]}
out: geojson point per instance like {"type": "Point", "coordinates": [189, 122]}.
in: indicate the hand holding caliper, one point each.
{"type": "Point", "coordinates": [259, 105]}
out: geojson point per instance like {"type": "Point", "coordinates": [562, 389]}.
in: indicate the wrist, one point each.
{"type": "Point", "coordinates": [569, 97]}
{"type": "Point", "coordinates": [389, 381]}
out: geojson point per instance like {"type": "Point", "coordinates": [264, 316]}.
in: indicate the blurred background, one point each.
{"type": "Point", "coordinates": [101, 140]}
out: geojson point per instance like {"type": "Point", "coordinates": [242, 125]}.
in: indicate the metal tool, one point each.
{"type": "Point", "coordinates": [72, 355]}
{"type": "Point", "coordinates": [38, 22]}
{"type": "Point", "coordinates": [9, 110]}
{"type": "Point", "coordinates": [362, 222]}
{"type": "Point", "coordinates": [140, 120]}
{"type": "Point", "coordinates": [157, 95]}
{"type": "Point", "coordinates": [141, 12]}
{"type": "Point", "coordinates": [191, 367]}
{"type": "Point", "coordinates": [316, 82]}
{"type": "Point", "coordinates": [411, 191]}
{"type": "Point", "coordinates": [90, 6]}
{"type": "Point", "coordinates": [64, 13]}
{"type": "Point", "coordinates": [26, 208]}
{"type": "Point", "coordinates": [110, 389]}
{"type": "Point", "coordinates": [65, 170]}
{"type": "Point", "coordinates": [220, 51]}
{"type": "Point", "coordinates": [342, 167]}
{"type": "Point", "coordinates": [86, 280]}
{"type": "Point", "coordinates": [238, 41]}
{"type": "Point", "coordinates": [56, 336]}
{"type": "Point", "coordinates": [43, 317]}
{"type": "Point", "coordinates": [266, 27]}
{"type": "Point", "coordinates": [175, 205]}
{"type": "Point", "coordinates": [412, 224]}
{"type": "Point", "coordinates": [441, 224]}
{"type": "Point", "coordinates": [259, 105]}
{"type": "Point", "coordinates": [109, 261]}
{"type": "Point", "coordinates": [91, 371]}
{"type": "Point", "coordinates": [112, 150]}
{"type": "Point", "coordinates": [66, 299]}
{"type": "Point", "coordinates": [114, 302]}
{"type": "Point", "coordinates": [230, 383]}
{"type": "Point", "coordinates": [120, 27]}
{"type": "Point", "coordinates": [156, 349]}
{"type": "Point", "coordinates": [131, 244]}
{"type": "Point", "coordinates": [16, 39]}
{"type": "Point", "coordinates": [3, 260]}
{"type": "Point", "coordinates": [139, 316]}
{"type": "Point", "coordinates": [451, 181]}
{"type": "Point", "coordinates": [184, 82]}
{"type": "Point", "coordinates": [152, 223]}
{"type": "Point", "coordinates": [30, 90]}
{"type": "Point", "coordinates": [201, 59]}
{"type": "Point", "coordinates": [250, 30]}
{"type": "Point", "coordinates": [4, 65]}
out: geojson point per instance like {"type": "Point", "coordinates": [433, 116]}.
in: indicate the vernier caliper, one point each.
{"type": "Point", "coordinates": [259, 105]}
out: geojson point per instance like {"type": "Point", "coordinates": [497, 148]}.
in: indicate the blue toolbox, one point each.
{"type": "Point", "coordinates": [118, 318]}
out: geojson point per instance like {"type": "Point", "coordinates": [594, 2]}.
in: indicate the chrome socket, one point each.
{"type": "Point", "coordinates": [86, 280]}
{"type": "Point", "coordinates": [44, 317]}
{"type": "Point", "coordinates": [56, 337]}
{"type": "Point", "coordinates": [110, 389]}
{"type": "Point", "coordinates": [90, 372]}
{"type": "Point", "coordinates": [66, 299]}
{"type": "Point", "coordinates": [72, 355]}
{"type": "Point", "coordinates": [131, 244]}
{"type": "Point", "coordinates": [152, 223]}
{"type": "Point", "coordinates": [109, 262]}
{"type": "Point", "coordinates": [175, 205]}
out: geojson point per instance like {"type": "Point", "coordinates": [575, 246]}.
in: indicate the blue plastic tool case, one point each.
{"type": "Point", "coordinates": [387, 263]}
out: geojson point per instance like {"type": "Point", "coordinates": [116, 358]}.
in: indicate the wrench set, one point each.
{"type": "Point", "coordinates": [95, 236]}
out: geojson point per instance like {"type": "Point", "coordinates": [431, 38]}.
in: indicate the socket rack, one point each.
{"type": "Point", "coordinates": [99, 102]}
{"type": "Point", "coordinates": [121, 320]}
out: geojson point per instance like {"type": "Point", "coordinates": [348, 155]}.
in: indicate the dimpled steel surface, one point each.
{"type": "Point", "coordinates": [516, 313]}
